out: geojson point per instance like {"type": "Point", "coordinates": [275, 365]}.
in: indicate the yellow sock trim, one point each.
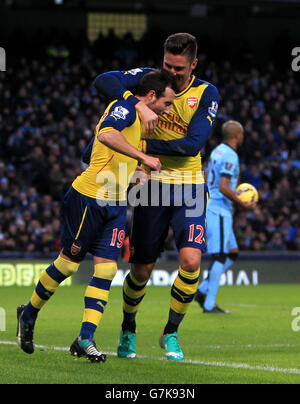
{"type": "Point", "coordinates": [66, 267]}
{"type": "Point", "coordinates": [178, 307]}
{"type": "Point", "coordinates": [130, 309]}
{"type": "Point", "coordinates": [36, 301]}
{"type": "Point", "coordinates": [48, 283]}
{"type": "Point", "coordinates": [133, 294]}
{"type": "Point", "coordinates": [92, 316]}
{"type": "Point", "coordinates": [137, 283]}
{"type": "Point", "coordinates": [96, 293]}
{"type": "Point", "coordinates": [186, 288]}
{"type": "Point", "coordinates": [189, 275]}
{"type": "Point", "coordinates": [106, 270]}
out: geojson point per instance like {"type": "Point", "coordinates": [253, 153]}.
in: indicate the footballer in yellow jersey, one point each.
{"type": "Point", "coordinates": [177, 139]}
{"type": "Point", "coordinates": [89, 226]}
{"type": "Point", "coordinates": [179, 136]}
{"type": "Point", "coordinates": [108, 174]}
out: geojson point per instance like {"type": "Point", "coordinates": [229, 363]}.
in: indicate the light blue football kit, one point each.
{"type": "Point", "coordinates": [223, 161]}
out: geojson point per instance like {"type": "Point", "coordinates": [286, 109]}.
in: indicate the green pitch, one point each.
{"type": "Point", "coordinates": [255, 344]}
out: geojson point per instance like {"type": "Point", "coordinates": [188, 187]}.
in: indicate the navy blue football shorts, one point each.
{"type": "Point", "coordinates": [183, 208]}
{"type": "Point", "coordinates": [88, 227]}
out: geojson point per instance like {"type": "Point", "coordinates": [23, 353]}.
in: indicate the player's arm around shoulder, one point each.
{"type": "Point", "coordinates": [203, 120]}
{"type": "Point", "coordinates": [198, 131]}
{"type": "Point", "coordinates": [207, 109]}
{"type": "Point", "coordinates": [122, 114]}
{"type": "Point", "coordinates": [117, 85]}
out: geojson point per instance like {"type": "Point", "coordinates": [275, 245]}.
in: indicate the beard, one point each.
{"type": "Point", "coordinates": [181, 81]}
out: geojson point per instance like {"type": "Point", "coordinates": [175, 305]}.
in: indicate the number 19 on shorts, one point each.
{"type": "Point", "coordinates": [118, 238]}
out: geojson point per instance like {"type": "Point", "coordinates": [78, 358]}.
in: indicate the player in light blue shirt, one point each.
{"type": "Point", "coordinates": [222, 180]}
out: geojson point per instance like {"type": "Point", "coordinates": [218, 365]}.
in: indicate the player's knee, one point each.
{"type": "Point", "coordinates": [219, 257]}
{"type": "Point", "coordinates": [190, 264]}
{"type": "Point", "coordinates": [142, 272]}
{"type": "Point", "coordinates": [233, 256]}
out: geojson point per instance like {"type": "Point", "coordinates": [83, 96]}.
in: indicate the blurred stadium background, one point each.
{"type": "Point", "coordinates": [54, 50]}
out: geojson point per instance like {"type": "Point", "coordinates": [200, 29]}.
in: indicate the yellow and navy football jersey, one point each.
{"type": "Point", "coordinates": [179, 136]}
{"type": "Point", "coordinates": [108, 174]}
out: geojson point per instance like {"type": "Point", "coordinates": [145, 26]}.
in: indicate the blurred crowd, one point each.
{"type": "Point", "coordinates": [49, 110]}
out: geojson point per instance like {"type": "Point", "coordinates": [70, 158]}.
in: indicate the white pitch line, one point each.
{"type": "Point", "coordinates": [256, 306]}
{"type": "Point", "coordinates": [250, 346]}
{"type": "Point", "coordinates": [186, 361]}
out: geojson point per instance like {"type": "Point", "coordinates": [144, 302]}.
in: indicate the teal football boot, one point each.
{"type": "Point", "coordinates": [169, 342]}
{"type": "Point", "coordinates": [127, 342]}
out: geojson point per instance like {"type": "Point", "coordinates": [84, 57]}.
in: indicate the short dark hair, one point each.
{"type": "Point", "coordinates": [157, 80]}
{"type": "Point", "coordinates": [182, 43]}
{"type": "Point", "coordinates": [230, 128]}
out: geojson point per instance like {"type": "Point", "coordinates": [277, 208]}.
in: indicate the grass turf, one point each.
{"type": "Point", "coordinates": [253, 345]}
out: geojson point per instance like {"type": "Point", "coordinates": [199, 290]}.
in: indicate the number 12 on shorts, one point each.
{"type": "Point", "coordinates": [118, 238]}
{"type": "Point", "coordinates": [197, 238]}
